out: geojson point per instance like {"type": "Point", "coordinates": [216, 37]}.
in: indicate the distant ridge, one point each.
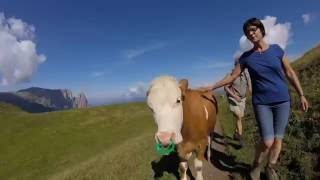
{"type": "Point", "coordinates": [37, 99]}
{"type": "Point", "coordinates": [25, 105]}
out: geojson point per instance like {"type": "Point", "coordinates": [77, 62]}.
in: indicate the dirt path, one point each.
{"type": "Point", "coordinates": [212, 170]}
{"type": "Point", "coordinates": [220, 167]}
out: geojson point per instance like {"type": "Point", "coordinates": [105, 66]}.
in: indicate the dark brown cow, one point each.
{"type": "Point", "coordinates": [199, 118]}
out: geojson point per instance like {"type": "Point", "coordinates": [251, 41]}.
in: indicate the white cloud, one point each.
{"type": "Point", "coordinates": [306, 18]}
{"type": "Point", "coordinates": [132, 53]}
{"type": "Point", "coordinates": [137, 91]}
{"type": "Point", "coordinates": [97, 74]}
{"type": "Point", "coordinates": [18, 58]}
{"type": "Point", "coordinates": [276, 33]}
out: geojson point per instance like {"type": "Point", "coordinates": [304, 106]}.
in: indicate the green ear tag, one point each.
{"type": "Point", "coordinates": [165, 151]}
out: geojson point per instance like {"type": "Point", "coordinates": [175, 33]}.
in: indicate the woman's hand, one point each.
{"type": "Point", "coordinates": [238, 98]}
{"type": "Point", "coordinates": [304, 103]}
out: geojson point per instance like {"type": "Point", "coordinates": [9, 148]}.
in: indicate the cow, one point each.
{"type": "Point", "coordinates": [185, 116]}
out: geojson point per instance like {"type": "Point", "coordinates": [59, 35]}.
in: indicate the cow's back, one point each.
{"type": "Point", "coordinates": [199, 115]}
{"type": "Point", "coordinates": [211, 105]}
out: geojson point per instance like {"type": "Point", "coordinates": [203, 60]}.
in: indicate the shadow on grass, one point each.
{"type": "Point", "coordinates": [169, 164]}
{"type": "Point", "coordinates": [220, 160]}
{"type": "Point", "coordinates": [225, 141]}
{"type": "Point", "coordinates": [226, 162]}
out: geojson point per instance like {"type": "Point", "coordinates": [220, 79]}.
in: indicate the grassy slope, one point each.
{"type": "Point", "coordinates": [95, 143]}
{"type": "Point", "coordinates": [116, 142]}
{"type": "Point", "coordinates": [300, 157]}
{"type": "Point", "coordinates": [308, 70]}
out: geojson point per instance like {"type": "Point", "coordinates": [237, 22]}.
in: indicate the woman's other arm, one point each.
{"type": "Point", "coordinates": [293, 79]}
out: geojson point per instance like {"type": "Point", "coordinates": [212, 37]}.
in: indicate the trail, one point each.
{"type": "Point", "coordinates": [220, 167]}
{"type": "Point", "coordinates": [213, 170]}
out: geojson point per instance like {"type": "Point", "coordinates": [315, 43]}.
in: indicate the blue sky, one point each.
{"type": "Point", "coordinates": [111, 50]}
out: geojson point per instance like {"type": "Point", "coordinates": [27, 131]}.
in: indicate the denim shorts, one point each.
{"type": "Point", "coordinates": [272, 119]}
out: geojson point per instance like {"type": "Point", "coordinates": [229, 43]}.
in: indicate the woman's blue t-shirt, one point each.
{"type": "Point", "coordinates": [268, 80]}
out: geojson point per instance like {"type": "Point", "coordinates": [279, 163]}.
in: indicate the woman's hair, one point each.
{"type": "Point", "coordinates": [254, 22]}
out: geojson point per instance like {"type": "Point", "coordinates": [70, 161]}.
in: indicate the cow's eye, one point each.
{"type": "Point", "coordinates": [178, 100]}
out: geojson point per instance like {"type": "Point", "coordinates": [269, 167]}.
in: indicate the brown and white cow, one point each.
{"type": "Point", "coordinates": [185, 116]}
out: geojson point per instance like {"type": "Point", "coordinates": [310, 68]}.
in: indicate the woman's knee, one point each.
{"type": "Point", "coordinates": [237, 114]}
{"type": "Point", "coordinates": [277, 144]}
{"type": "Point", "coordinates": [268, 143]}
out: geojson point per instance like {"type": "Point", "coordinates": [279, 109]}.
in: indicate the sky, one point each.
{"type": "Point", "coordinates": [111, 50]}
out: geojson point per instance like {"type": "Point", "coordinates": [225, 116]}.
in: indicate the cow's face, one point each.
{"type": "Point", "coordinates": [164, 100]}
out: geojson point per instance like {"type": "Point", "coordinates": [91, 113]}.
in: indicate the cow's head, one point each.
{"type": "Point", "coordinates": [164, 98]}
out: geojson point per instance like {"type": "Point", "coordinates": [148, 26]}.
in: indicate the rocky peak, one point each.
{"type": "Point", "coordinates": [55, 99]}
{"type": "Point", "coordinates": [67, 93]}
{"type": "Point", "coordinates": [80, 101]}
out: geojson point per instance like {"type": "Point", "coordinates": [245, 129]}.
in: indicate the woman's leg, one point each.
{"type": "Point", "coordinates": [281, 113]}
{"type": "Point", "coordinates": [238, 118]}
{"type": "Point", "coordinates": [275, 151]}
{"type": "Point", "coordinates": [262, 150]}
{"type": "Point", "coordinates": [264, 117]}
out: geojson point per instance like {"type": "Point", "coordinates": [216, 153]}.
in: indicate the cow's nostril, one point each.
{"type": "Point", "coordinates": [164, 138]}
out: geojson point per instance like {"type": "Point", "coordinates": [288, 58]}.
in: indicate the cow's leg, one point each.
{"type": "Point", "coordinates": [199, 159]}
{"type": "Point", "coordinates": [184, 153]}
{"type": "Point", "coordinates": [209, 149]}
{"type": "Point", "coordinates": [198, 167]}
{"type": "Point", "coordinates": [183, 166]}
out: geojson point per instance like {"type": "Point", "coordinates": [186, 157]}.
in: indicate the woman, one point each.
{"type": "Point", "coordinates": [268, 66]}
{"type": "Point", "coordinates": [236, 93]}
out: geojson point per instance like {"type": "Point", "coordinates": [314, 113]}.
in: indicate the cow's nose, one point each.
{"type": "Point", "coordinates": [164, 138]}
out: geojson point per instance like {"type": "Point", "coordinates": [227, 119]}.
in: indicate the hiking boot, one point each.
{"type": "Point", "coordinates": [236, 136]}
{"type": "Point", "coordinates": [241, 143]}
{"type": "Point", "coordinates": [255, 171]}
{"type": "Point", "coordinates": [271, 172]}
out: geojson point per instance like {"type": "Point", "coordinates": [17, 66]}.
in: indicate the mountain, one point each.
{"type": "Point", "coordinates": [37, 99]}
{"type": "Point", "coordinates": [22, 103]}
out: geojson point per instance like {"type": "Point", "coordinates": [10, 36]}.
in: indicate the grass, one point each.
{"type": "Point", "coordinates": [94, 143]}
{"type": "Point", "coordinates": [116, 142]}
{"type": "Point", "coordinates": [300, 157]}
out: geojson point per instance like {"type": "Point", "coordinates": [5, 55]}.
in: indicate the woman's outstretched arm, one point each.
{"type": "Point", "coordinates": [226, 80]}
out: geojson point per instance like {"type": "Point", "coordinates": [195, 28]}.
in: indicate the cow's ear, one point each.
{"type": "Point", "coordinates": [183, 84]}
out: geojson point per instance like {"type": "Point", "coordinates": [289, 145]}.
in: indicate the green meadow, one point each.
{"type": "Point", "coordinates": [116, 142]}
{"type": "Point", "coordinates": [110, 142]}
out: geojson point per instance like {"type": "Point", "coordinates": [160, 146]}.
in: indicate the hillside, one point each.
{"type": "Point", "coordinates": [22, 103]}
{"type": "Point", "coordinates": [300, 158]}
{"type": "Point", "coordinates": [116, 142]}
{"type": "Point", "coordinates": [94, 143]}
{"type": "Point", "coordinates": [308, 70]}
{"type": "Point", "coordinates": [9, 108]}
